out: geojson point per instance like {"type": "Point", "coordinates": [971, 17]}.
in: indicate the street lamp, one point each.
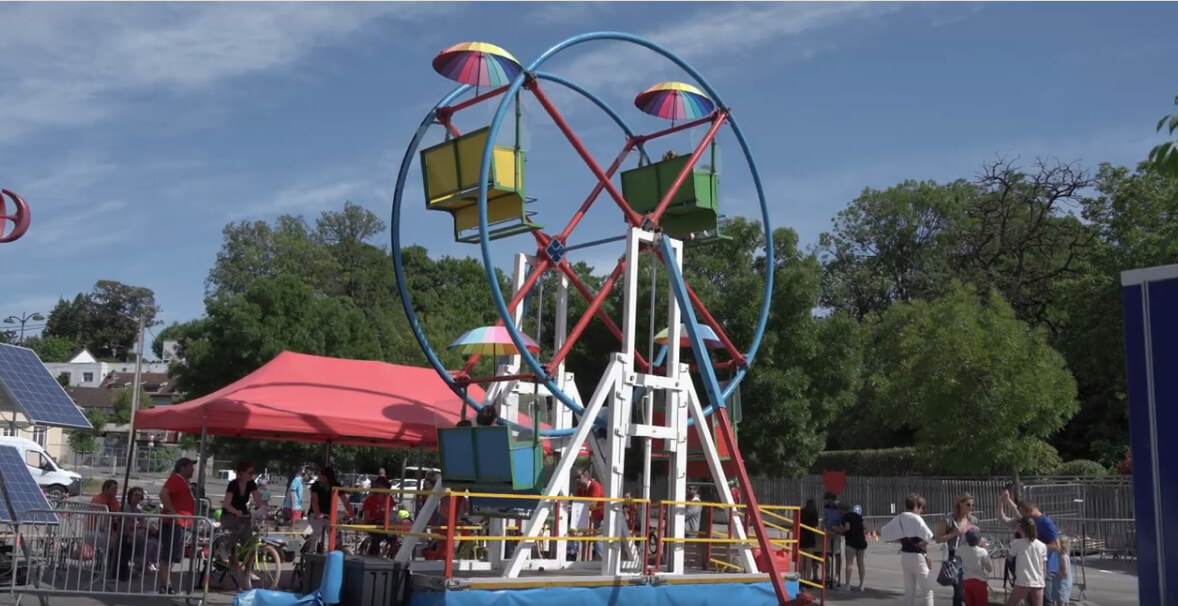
{"type": "Point", "coordinates": [23, 319]}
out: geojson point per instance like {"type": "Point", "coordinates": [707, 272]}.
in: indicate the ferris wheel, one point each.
{"type": "Point", "coordinates": [670, 208]}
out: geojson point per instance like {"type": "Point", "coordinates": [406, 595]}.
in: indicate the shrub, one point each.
{"type": "Point", "coordinates": [1081, 468]}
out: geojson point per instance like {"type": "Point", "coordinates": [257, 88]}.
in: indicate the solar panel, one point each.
{"type": "Point", "coordinates": [31, 389]}
{"type": "Point", "coordinates": [22, 490]}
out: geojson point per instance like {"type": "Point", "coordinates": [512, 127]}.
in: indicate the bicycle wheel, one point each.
{"type": "Point", "coordinates": [266, 565]}
{"type": "Point", "coordinates": [220, 558]}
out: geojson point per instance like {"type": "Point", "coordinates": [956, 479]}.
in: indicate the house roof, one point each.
{"type": "Point", "coordinates": [154, 383]}
{"type": "Point", "coordinates": [93, 397]}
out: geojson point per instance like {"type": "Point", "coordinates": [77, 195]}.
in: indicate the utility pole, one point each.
{"type": "Point", "coordinates": [137, 387]}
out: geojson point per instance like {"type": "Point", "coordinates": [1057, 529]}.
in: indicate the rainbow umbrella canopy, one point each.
{"type": "Point", "coordinates": [478, 64]}
{"type": "Point", "coordinates": [674, 101]}
{"type": "Point", "coordinates": [705, 331]}
{"type": "Point", "coordinates": [490, 341]}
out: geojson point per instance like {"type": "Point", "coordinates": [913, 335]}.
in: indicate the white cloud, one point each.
{"type": "Point", "coordinates": [76, 64]}
{"type": "Point", "coordinates": [709, 37]}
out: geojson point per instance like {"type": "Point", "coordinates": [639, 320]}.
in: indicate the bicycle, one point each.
{"type": "Point", "coordinates": [256, 557]}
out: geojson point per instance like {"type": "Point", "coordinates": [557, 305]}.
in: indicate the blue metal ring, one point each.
{"type": "Point", "coordinates": [484, 242]}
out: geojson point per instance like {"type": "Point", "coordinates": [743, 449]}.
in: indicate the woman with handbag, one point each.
{"type": "Point", "coordinates": [914, 535]}
{"type": "Point", "coordinates": [950, 531]}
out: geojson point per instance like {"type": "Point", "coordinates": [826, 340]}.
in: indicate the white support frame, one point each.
{"type": "Point", "coordinates": [616, 389]}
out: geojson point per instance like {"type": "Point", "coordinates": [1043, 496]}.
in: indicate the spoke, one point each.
{"type": "Point", "coordinates": [640, 139]}
{"type": "Point", "coordinates": [631, 216]}
{"type": "Point", "coordinates": [594, 307]}
{"type": "Point", "coordinates": [593, 195]}
{"type": "Point", "coordinates": [453, 109]}
{"type": "Point", "coordinates": [612, 326]}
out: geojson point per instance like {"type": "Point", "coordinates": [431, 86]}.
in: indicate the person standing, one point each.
{"type": "Point", "coordinates": [588, 488]}
{"type": "Point", "coordinates": [855, 537]}
{"type": "Point", "coordinates": [914, 535]}
{"type": "Point", "coordinates": [235, 505]}
{"type": "Point", "coordinates": [176, 499]}
{"type": "Point", "coordinates": [975, 569]}
{"type": "Point", "coordinates": [292, 501]}
{"type": "Point", "coordinates": [692, 517]}
{"type": "Point", "coordinates": [1030, 556]}
{"type": "Point", "coordinates": [950, 531]}
{"type": "Point", "coordinates": [320, 517]}
{"type": "Point", "coordinates": [832, 523]}
{"type": "Point", "coordinates": [808, 542]}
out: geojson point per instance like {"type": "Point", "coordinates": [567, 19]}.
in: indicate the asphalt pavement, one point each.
{"type": "Point", "coordinates": [1108, 583]}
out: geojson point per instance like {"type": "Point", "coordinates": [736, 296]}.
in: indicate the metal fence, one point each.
{"type": "Point", "coordinates": [1100, 508]}
{"type": "Point", "coordinates": [90, 552]}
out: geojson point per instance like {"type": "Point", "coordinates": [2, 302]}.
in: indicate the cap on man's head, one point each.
{"type": "Point", "coordinates": [183, 462]}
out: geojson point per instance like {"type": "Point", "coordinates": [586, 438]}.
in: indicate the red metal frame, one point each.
{"type": "Point", "coordinates": [20, 217]}
{"type": "Point", "coordinates": [751, 505]}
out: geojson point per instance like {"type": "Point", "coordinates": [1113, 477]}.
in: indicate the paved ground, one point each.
{"type": "Point", "coordinates": [1109, 583]}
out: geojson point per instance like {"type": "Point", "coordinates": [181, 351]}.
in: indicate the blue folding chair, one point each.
{"type": "Point", "coordinates": [328, 593]}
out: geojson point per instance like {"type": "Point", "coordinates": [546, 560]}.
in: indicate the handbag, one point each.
{"type": "Point", "coordinates": [950, 572]}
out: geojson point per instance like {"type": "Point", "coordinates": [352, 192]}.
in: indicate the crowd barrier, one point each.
{"type": "Point", "coordinates": [91, 552]}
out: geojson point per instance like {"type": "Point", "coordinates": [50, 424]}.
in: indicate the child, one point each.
{"type": "Point", "coordinates": [1060, 591]}
{"type": "Point", "coordinates": [1030, 560]}
{"type": "Point", "coordinates": [975, 570]}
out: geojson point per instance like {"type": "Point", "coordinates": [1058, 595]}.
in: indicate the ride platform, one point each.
{"type": "Point", "coordinates": [573, 588]}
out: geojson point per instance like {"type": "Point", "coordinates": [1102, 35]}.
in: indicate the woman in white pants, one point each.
{"type": "Point", "coordinates": [914, 535]}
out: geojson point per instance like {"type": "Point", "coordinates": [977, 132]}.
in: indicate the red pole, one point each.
{"type": "Point", "coordinates": [594, 306]}
{"type": "Point", "coordinates": [612, 326]}
{"type": "Point", "coordinates": [453, 109]}
{"type": "Point", "coordinates": [331, 520]}
{"type": "Point", "coordinates": [720, 415]}
{"type": "Point", "coordinates": [633, 217]}
{"type": "Point", "coordinates": [451, 519]}
{"type": "Point", "coordinates": [717, 121]}
{"type": "Point", "coordinates": [639, 139]}
{"type": "Point", "coordinates": [609, 174]}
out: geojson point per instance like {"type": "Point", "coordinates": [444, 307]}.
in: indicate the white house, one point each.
{"type": "Point", "coordinates": [84, 370]}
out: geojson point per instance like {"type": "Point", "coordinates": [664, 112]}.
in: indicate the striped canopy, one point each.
{"type": "Point", "coordinates": [478, 64]}
{"type": "Point", "coordinates": [490, 341]}
{"type": "Point", "coordinates": [674, 101]}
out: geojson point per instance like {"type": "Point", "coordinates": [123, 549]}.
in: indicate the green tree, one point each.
{"type": "Point", "coordinates": [105, 320]}
{"type": "Point", "coordinates": [51, 348]}
{"type": "Point", "coordinates": [86, 440]}
{"type": "Point", "coordinates": [981, 390]}
{"type": "Point", "coordinates": [121, 406]}
{"type": "Point", "coordinates": [1135, 217]}
{"type": "Point", "coordinates": [1164, 157]}
{"type": "Point", "coordinates": [892, 245]}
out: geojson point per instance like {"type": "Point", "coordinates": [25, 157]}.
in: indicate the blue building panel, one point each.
{"type": "Point", "coordinates": [1150, 307]}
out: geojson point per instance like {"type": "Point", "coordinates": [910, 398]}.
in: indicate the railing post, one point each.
{"type": "Point", "coordinates": [450, 521]}
{"type": "Point", "coordinates": [331, 520]}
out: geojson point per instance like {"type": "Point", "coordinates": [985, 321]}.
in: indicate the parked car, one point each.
{"type": "Point", "coordinates": [58, 483]}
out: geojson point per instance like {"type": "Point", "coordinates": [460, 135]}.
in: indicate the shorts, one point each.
{"type": "Point", "coordinates": [1058, 589]}
{"type": "Point", "coordinates": [172, 539]}
{"type": "Point", "coordinates": [292, 514]}
{"type": "Point", "coordinates": [854, 551]}
{"type": "Point", "coordinates": [835, 544]}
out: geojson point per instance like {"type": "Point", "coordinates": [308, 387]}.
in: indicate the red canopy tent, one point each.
{"type": "Point", "coordinates": [306, 398]}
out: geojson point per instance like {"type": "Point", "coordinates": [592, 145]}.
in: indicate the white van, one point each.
{"type": "Point", "coordinates": [55, 481]}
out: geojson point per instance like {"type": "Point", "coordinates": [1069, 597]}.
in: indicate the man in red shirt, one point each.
{"type": "Point", "coordinates": [588, 488]}
{"type": "Point", "coordinates": [176, 499]}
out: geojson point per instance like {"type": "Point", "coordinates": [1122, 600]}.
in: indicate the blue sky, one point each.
{"type": "Point", "coordinates": [136, 131]}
